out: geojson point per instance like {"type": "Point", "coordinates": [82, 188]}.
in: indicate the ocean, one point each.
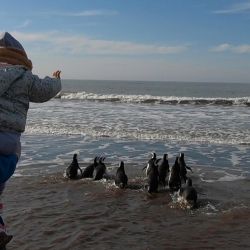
{"type": "Point", "coordinates": [127, 121]}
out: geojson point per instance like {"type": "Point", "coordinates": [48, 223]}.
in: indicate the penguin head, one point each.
{"type": "Point", "coordinates": [176, 167]}
{"type": "Point", "coordinates": [181, 155]}
{"type": "Point", "coordinates": [121, 165]}
{"type": "Point", "coordinates": [165, 156]}
{"type": "Point", "coordinates": [153, 155]}
{"type": "Point", "coordinates": [75, 157]}
{"type": "Point", "coordinates": [101, 160]}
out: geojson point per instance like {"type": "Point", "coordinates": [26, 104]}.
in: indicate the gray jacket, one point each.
{"type": "Point", "coordinates": [18, 87]}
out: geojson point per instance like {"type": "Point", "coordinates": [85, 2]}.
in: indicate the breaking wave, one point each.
{"type": "Point", "coordinates": [150, 99]}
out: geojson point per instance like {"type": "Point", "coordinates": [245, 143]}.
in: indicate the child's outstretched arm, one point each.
{"type": "Point", "coordinates": [42, 90]}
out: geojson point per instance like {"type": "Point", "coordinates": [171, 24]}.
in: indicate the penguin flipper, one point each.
{"type": "Point", "coordinates": [189, 168]}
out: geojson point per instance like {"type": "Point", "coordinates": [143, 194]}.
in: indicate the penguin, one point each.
{"type": "Point", "coordinates": [121, 179]}
{"type": "Point", "coordinates": [183, 168]}
{"type": "Point", "coordinates": [100, 169]}
{"type": "Point", "coordinates": [174, 181]}
{"type": "Point", "coordinates": [4, 238]}
{"type": "Point", "coordinates": [163, 169]}
{"type": "Point", "coordinates": [153, 176]}
{"type": "Point", "coordinates": [148, 165]}
{"type": "Point", "coordinates": [89, 170]}
{"type": "Point", "coordinates": [72, 169]}
{"type": "Point", "coordinates": [189, 194]}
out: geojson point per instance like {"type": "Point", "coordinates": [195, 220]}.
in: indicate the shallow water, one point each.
{"type": "Point", "coordinates": [52, 212]}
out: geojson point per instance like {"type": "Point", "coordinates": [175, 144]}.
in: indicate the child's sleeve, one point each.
{"type": "Point", "coordinates": [42, 90]}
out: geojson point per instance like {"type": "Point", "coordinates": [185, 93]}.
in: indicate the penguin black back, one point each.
{"type": "Point", "coordinates": [89, 170]}
{"type": "Point", "coordinates": [72, 169]}
{"type": "Point", "coordinates": [174, 181]}
{"type": "Point", "coordinates": [121, 179]}
{"type": "Point", "coordinates": [189, 193]}
{"type": "Point", "coordinates": [149, 164]}
{"type": "Point", "coordinates": [153, 176]}
{"type": "Point", "coordinates": [100, 169]}
{"type": "Point", "coordinates": [183, 168]}
{"type": "Point", "coordinates": [163, 169]}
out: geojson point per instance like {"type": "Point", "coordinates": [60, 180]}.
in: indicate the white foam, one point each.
{"type": "Point", "coordinates": [129, 148]}
{"type": "Point", "coordinates": [235, 159]}
{"type": "Point", "coordinates": [146, 134]}
{"type": "Point", "coordinates": [231, 177]}
{"type": "Point", "coordinates": [104, 146]}
{"type": "Point", "coordinates": [227, 177]}
{"type": "Point", "coordinates": [210, 209]}
{"type": "Point", "coordinates": [154, 99]}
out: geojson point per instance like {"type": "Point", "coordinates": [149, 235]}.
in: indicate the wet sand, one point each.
{"type": "Point", "coordinates": [51, 212]}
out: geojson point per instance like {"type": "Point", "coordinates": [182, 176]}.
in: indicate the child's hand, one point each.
{"type": "Point", "coordinates": [57, 73]}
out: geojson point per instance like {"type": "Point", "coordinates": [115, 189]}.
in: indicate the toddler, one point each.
{"type": "Point", "coordinates": [18, 87]}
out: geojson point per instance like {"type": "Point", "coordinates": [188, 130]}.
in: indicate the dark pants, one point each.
{"type": "Point", "coordinates": [7, 169]}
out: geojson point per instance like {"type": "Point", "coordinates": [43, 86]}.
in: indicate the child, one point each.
{"type": "Point", "coordinates": [18, 87]}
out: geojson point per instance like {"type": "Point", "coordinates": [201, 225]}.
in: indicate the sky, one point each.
{"type": "Point", "coordinates": [153, 40]}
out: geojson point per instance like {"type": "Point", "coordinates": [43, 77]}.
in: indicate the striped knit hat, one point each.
{"type": "Point", "coordinates": [12, 52]}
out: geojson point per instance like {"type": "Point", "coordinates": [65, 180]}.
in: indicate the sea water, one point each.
{"type": "Point", "coordinates": [127, 121]}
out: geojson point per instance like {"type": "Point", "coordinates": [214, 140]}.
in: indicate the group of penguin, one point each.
{"type": "Point", "coordinates": [158, 173]}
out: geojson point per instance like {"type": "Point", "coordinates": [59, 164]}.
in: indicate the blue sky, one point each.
{"type": "Point", "coordinates": [165, 40]}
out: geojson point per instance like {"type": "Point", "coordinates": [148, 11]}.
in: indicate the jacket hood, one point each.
{"type": "Point", "coordinates": [8, 41]}
{"type": "Point", "coordinates": [8, 75]}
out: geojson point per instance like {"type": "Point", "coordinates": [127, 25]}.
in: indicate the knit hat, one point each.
{"type": "Point", "coordinates": [12, 52]}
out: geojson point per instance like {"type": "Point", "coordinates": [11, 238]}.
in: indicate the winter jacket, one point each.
{"type": "Point", "coordinates": [18, 87]}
